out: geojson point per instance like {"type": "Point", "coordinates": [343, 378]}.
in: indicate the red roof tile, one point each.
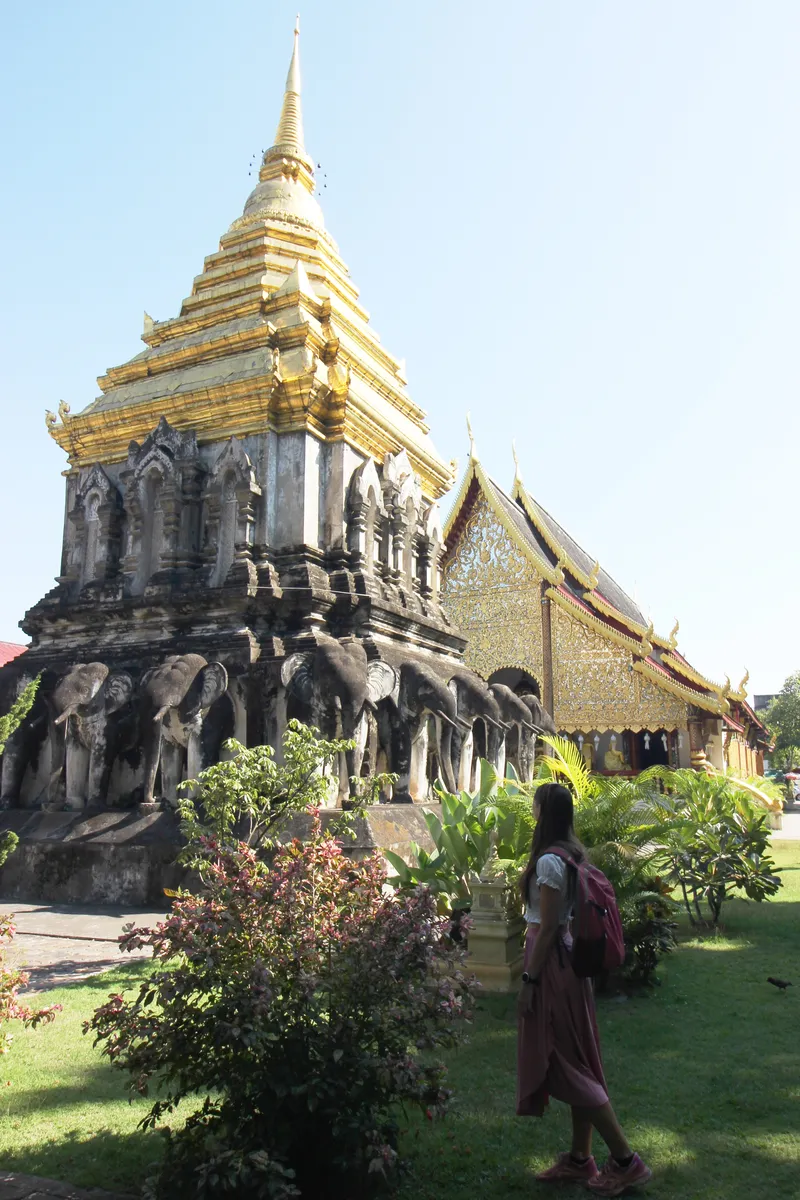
{"type": "Point", "coordinates": [9, 650]}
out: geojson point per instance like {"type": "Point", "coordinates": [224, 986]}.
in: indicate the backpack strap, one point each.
{"type": "Point", "coordinates": [563, 854]}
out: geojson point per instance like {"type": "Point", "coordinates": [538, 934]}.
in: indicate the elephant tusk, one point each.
{"type": "Point", "coordinates": [64, 716]}
{"type": "Point", "coordinates": [438, 713]}
{"type": "Point", "coordinates": [532, 728]}
{"type": "Point", "coordinates": [497, 724]}
{"type": "Point", "coordinates": [160, 714]}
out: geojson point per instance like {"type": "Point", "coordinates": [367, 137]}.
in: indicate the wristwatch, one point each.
{"type": "Point", "coordinates": [526, 978]}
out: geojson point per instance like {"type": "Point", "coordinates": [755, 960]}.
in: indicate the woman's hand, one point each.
{"type": "Point", "coordinates": [525, 999]}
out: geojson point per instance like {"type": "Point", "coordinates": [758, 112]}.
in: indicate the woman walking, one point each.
{"type": "Point", "coordinates": [559, 1048]}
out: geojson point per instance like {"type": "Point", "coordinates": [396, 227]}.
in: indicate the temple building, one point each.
{"type": "Point", "coordinates": [541, 615]}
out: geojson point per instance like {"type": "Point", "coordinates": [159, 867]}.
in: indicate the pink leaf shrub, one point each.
{"type": "Point", "coordinates": [303, 1000]}
{"type": "Point", "coordinates": [11, 982]}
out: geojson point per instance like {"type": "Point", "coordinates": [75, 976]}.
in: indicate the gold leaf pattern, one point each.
{"type": "Point", "coordinates": [492, 593]}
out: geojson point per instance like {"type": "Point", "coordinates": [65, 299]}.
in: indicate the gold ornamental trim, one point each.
{"type": "Point", "coordinates": [715, 704]}
{"type": "Point", "coordinates": [237, 409]}
{"type": "Point", "coordinates": [476, 472]}
{"type": "Point", "coordinates": [594, 623]}
{"type": "Point", "coordinates": [688, 672]}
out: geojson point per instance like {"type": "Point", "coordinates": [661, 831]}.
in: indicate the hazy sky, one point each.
{"type": "Point", "coordinates": [579, 220]}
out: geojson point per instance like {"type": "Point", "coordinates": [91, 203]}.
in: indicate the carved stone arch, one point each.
{"type": "Point", "coordinates": [366, 518]}
{"type": "Point", "coordinates": [97, 518]}
{"type": "Point", "coordinates": [230, 500]}
{"type": "Point", "coordinates": [162, 481]}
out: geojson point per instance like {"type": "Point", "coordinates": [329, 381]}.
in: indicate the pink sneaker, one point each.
{"type": "Point", "coordinates": [613, 1179]}
{"type": "Point", "coordinates": [565, 1168]}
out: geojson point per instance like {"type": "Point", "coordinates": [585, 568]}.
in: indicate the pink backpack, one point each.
{"type": "Point", "coordinates": [598, 944]}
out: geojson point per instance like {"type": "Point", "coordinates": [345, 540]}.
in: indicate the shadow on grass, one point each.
{"type": "Point", "coordinates": [103, 1159]}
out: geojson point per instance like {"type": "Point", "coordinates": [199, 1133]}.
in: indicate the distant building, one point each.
{"type": "Point", "coordinates": [762, 703]}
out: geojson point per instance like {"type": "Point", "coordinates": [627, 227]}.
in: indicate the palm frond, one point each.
{"type": "Point", "coordinates": [568, 763]}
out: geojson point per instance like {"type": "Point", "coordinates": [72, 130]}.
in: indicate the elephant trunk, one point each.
{"type": "Point", "coordinates": [444, 750]}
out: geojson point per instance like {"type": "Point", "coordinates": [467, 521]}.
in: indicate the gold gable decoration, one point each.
{"type": "Point", "coordinates": [492, 593]}
{"type": "Point", "coordinates": [597, 688]}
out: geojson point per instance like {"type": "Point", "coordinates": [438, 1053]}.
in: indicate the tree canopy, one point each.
{"type": "Point", "coordinates": [783, 719]}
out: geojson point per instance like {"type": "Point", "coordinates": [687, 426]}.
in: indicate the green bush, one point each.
{"type": "Point", "coordinates": [718, 845]}
{"type": "Point", "coordinates": [298, 998]}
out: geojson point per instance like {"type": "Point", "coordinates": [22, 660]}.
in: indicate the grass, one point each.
{"type": "Point", "coordinates": [704, 1072]}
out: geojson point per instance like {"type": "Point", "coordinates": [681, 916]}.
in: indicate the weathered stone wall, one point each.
{"type": "Point", "coordinates": [103, 858]}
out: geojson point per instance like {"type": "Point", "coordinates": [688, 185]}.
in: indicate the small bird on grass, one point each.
{"type": "Point", "coordinates": [779, 983]}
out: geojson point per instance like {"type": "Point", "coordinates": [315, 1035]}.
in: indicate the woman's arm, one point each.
{"type": "Point", "coordinates": [549, 905]}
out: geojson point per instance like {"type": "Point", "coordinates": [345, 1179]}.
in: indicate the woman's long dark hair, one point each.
{"type": "Point", "coordinates": [554, 827]}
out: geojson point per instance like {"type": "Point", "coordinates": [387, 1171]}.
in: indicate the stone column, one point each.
{"type": "Point", "coordinates": [495, 948]}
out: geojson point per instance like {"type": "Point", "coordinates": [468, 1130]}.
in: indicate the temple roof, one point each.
{"type": "Point", "coordinates": [582, 588]}
{"type": "Point", "coordinates": [10, 650]}
{"type": "Point", "coordinates": [272, 335]}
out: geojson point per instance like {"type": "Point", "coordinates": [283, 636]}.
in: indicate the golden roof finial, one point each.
{"type": "Point", "coordinates": [673, 637]}
{"type": "Point", "coordinates": [741, 691]}
{"type": "Point", "coordinates": [517, 472]}
{"type": "Point", "coordinates": [594, 578]}
{"type": "Point", "coordinates": [473, 455]}
{"type": "Point", "coordinates": [289, 134]}
{"type": "Point", "coordinates": [647, 644]}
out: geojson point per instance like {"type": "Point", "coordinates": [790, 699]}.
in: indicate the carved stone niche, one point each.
{"type": "Point", "coordinates": [230, 500]}
{"type": "Point", "coordinates": [430, 549]}
{"type": "Point", "coordinates": [96, 517]}
{"type": "Point", "coordinates": [402, 498]}
{"type": "Point", "coordinates": [163, 482]}
{"type": "Point", "coordinates": [366, 521]}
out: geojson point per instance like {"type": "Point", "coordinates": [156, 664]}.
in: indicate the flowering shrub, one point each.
{"type": "Point", "coordinates": [299, 998]}
{"type": "Point", "coordinates": [10, 983]}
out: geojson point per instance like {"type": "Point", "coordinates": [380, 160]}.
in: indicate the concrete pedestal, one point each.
{"type": "Point", "coordinates": [495, 939]}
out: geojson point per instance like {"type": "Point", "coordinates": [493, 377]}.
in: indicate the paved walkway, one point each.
{"type": "Point", "coordinates": [59, 943]}
{"type": "Point", "coordinates": [31, 1187]}
{"type": "Point", "coordinates": [791, 827]}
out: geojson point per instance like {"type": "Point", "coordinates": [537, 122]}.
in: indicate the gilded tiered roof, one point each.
{"type": "Point", "coordinates": [578, 587]}
{"type": "Point", "coordinates": [272, 335]}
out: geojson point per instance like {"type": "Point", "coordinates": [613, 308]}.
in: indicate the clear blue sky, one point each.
{"type": "Point", "coordinates": [579, 220]}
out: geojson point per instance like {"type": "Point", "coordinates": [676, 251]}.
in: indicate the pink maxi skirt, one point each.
{"type": "Point", "coordinates": [558, 1048]}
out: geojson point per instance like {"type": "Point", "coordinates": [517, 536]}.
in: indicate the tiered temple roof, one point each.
{"type": "Point", "coordinates": [575, 583]}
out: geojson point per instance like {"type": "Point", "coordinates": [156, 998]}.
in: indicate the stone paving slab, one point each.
{"type": "Point", "coordinates": [32, 1187]}
{"type": "Point", "coordinates": [59, 944]}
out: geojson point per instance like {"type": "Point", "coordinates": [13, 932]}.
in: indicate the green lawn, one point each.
{"type": "Point", "coordinates": [705, 1073]}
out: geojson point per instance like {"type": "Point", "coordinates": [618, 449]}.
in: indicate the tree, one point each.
{"type": "Point", "coordinates": [783, 719]}
{"type": "Point", "coordinates": [18, 711]}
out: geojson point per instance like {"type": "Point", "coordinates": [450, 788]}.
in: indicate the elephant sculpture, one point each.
{"type": "Point", "coordinates": [422, 697]}
{"type": "Point", "coordinates": [520, 741]}
{"type": "Point", "coordinates": [176, 698]}
{"type": "Point", "coordinates": [88, 730]}
{"type": "Point", "coordinates": [475, 706]}
{"type": "Point", "coordinates": [340, 688]}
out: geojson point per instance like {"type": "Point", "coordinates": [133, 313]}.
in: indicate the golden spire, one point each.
{"type": "Point", "coordinates": [517, 472]}
{"type": "Point", "coordinates": [673, 637]}
{"type": "Point", "coordinates": [289, 133]}
{"type": "Point", "coordinates": [473, 454]}
{"type": "Point", "coordinates": [288, 156]}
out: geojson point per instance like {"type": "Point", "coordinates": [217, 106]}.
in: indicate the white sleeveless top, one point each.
{"type": "Point", "coordinates": [552, 871]}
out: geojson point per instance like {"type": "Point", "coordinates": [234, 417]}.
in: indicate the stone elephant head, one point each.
{"type": "Point", "coordinates": [422, 696]}
{"type": "Point", "coordinates": [88, 706]}
{"type": "Point", "coordinates": [475, 705]}
{"type": "Point", "coordinates": [176, 697]}
{"type": "Point", "coordinates": [339, 687]}
{"type": "Point", "coordinates": [539, 715]}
